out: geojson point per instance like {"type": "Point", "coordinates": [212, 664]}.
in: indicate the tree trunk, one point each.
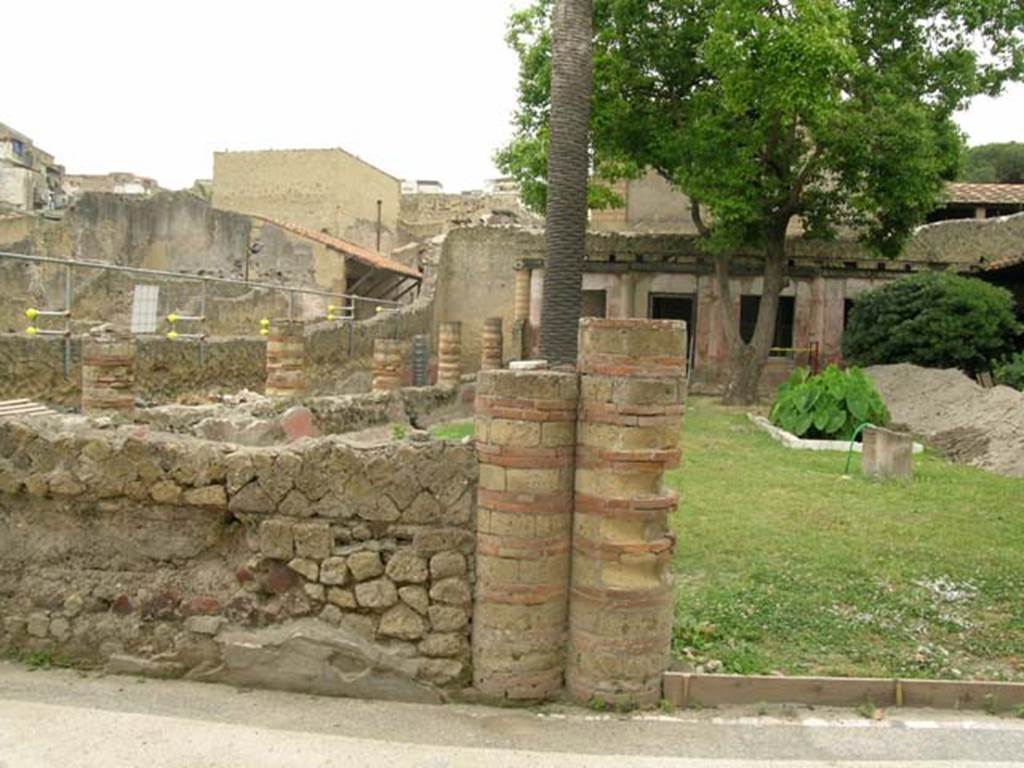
{"type": "Point", "coordinates": [747, 361]}
{"type": "Point", "coordinates": [572, 82]}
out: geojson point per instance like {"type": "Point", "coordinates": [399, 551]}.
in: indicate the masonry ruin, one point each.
{"type": "Point", "coordinates": [295, 542]}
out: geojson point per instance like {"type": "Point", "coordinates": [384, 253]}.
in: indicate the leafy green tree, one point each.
{"type": "Point", "coordinates": [568, 169]}
{"type": "Point", "coordinates": [934, 319]}
{"type": "Point", "coordinates": [834, 112]}
{"type": "Point", "coordinates": [998, 163]}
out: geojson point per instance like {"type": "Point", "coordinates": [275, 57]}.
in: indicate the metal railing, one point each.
{"type": "Point", "coordinates": [344, 310]}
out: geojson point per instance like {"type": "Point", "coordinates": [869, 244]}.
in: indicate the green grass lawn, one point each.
{"type": "Point", "coordinates": [453, 430]}
{"type": "Point", "coordinates": [782, 565]}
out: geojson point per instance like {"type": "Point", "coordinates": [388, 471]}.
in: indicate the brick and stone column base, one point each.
{"type": "Point", "coordinates": [108, 374]}
{"type": "Point", "coordinates": [632, 387]}
{"type": "Point", "coordinates": [449, 354]}
{"type": "Point", "coordinates": [387, 365]}
{"type": "Point", "coordinates": [525, 431]}
{"type": "Point", "coordinates": [286, 359]}
{"type": "Point", "coordinates": [492, 345]}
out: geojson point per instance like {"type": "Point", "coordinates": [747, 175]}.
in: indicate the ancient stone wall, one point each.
{"type": "Point", "coordinates": [173, 231]}
{"type": "Point", "coordinates": [425, 215]}
{"type": "Point", "coordinates": [319, 566]}
{"type": "Point", "coordinates": [164, 370]}
{"type": "Point", "coordinates": [322, 189]}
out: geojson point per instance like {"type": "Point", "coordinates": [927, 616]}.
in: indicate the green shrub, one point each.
{"type": "Point", "coordinates": [1011, 372]}
{"type": "Point", "coordinates": [830, 405]}
{"type": "Point", "coordinates": [934, 319]}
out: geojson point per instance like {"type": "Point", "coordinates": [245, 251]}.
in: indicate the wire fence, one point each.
{"type": "Point", "coordinates": [101, 289]}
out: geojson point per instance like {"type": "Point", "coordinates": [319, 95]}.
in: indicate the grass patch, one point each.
{"type": "Point", "coordinates": [783, 565]}
{"type": "Point", "coordinates": [453, 430]}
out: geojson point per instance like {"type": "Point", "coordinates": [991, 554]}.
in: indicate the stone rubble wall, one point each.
{"type": "Point", "coordinates": [258, 420]}
{"type": "Point", "coordinates": [320, 566]}
{"type": "Point", "coordinates": [164, 370]}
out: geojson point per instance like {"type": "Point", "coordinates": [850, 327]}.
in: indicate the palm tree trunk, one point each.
{"type": "Point", "coordinates": [572, 83]}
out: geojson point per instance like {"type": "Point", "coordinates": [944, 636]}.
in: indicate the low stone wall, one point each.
{"type": "Point", "coordinates": [322, 566]}
{"type": "Point", "coordinates": [165, 370]}
{"type": "Point", "coordinates": [259, 420]}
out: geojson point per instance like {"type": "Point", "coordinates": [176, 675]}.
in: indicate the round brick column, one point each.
{"type": "Point", "coordinates": [492, 345]}
{"type": "Point", "coordinates": [286, 359]}
{"type": "Point", "coordinates": [108, 374]}
{"type": "Point", "coordinates": [632, 388]}
{"type": "Point", "coordinates": [387, 365]}
{"type": "Point", "coordinates": [521, 298]}
{"type": "Point", "coordinates": [449, 354]}
{"type": "Point", "coordinates": [526, 431]}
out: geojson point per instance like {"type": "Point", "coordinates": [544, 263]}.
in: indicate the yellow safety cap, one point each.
{"type": "Point", "coordinates": [265, 322]}
{"type": "Point", "coordinates": [31, 330]}
{"type": "Point", "coordinates": [31, 313]}
{"type": "Point", "coordinates": [264, 332]}
{"type": "Point", "coordinates": [172, 335]}
{"type": "Point", "coordinates": [172, 319]}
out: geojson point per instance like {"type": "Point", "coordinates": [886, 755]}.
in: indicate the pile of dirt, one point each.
{"type": "Point", "coordinates": [970, 424]}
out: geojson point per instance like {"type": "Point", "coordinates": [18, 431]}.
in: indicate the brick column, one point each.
{"type": "Point", "coordinates": [521, 303]}
{"type": "Point", "coordinates": [286, 359]}
{"type": "Point", "coordinates": [108, 374]}
{"type": "Point", "coordinates": [492, 345]}
{"type": "Point", "coordinates": [632, 389]}
{"type": "Point", "coordinates": [449, 354]}
{"type": "Point", "coordinates": [387, 365]}
{"type": "Point", "coordinates": [526, 431]}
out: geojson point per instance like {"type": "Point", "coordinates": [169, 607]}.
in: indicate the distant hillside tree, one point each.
{"type": "Point", "coordinates": [995, 163]}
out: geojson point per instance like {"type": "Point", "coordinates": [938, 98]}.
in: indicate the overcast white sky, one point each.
{"type": "Point", "coordinates": [422, 88]}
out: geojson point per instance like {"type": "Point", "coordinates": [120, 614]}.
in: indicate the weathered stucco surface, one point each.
{"type": "Point", "coordinates": [321, 566]}
{"type": "Point", "coordinates": [173, 231]}
{"type": "Point", "coordinates": [323, 189]}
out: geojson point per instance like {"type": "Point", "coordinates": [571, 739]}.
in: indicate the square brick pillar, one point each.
{"type": "Point", "coordinates": [286, 359]}
{"type": "Point", "coordinates": [526, 434]}
{"type": "Point", "coordinates": [108, 373]}
{"type": "Point", "coordinates": [632, 388]}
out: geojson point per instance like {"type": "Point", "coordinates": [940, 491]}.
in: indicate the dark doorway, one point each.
{"type": "Point", "coordinates": [749, 306]}
{"type": "Point", "coordinates": [595, 304]}
{"type": "Point", "coordinates": [677, 306]}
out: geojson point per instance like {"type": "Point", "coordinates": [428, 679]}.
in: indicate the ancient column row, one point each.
{"type": "Point", "coordinates": [608, 432]}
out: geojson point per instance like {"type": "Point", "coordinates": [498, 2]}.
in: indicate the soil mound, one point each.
{"type": "Point", "coordinates": [970, 424]}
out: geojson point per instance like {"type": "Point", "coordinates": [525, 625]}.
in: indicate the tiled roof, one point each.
{"type": "Point", "coordinates": [1004, 262]}
{"type": "Point", "coordinates": [994, 194]}
{"type": "Point", "coordinates": [360, 254]}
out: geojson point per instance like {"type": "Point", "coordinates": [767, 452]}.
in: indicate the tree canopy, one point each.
{"type": "Point", "coordinates": [836, 111]}
{"type": "Point", "coordinates": [1000, 163]}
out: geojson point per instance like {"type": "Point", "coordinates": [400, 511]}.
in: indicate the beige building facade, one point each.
{"type": "Point", "coordinates": [324, 190]}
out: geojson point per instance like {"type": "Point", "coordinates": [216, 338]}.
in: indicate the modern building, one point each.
{"type": "Point", "coordinates": [30, 179]}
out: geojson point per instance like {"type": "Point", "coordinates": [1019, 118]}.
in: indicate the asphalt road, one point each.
{"type": "Point", "coordinates": [63, 718]}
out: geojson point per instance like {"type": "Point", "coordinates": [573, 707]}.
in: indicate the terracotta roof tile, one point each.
{"type": "Point", "coordinates": [1003, 263]}
{"type": "Point", "coordinates": [996, 194]}
{"type": "Point", "coordinates": [357, 252]}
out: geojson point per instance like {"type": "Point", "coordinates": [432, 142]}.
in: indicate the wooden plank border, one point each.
{"type": "Point", "coordinates": [685, 689]}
